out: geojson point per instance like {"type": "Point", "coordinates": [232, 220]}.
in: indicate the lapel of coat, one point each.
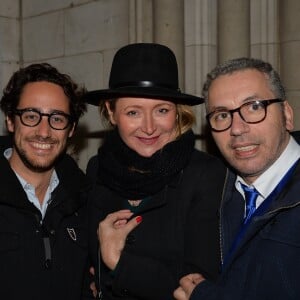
{"type": "Point", "coordinates": [286, 200]}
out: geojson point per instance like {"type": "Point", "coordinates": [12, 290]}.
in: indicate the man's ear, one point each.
{"type": "Point", "coordinates": [10, 124]}
{"type": "Point", "coordinates": [72, 130]}
{"type": "Point", "coordinates": [289, 116]}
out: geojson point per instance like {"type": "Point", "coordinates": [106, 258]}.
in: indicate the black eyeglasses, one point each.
{"type": "Point", "coordinates": [251, 112]}
{"type": "Point", "coordinates": [32, 117]}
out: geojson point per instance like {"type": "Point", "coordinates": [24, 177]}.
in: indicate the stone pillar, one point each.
{"type": "Point", "coordinates": [168, 29]}
{"type": "Point", "coordinates": [290, 50]}
{"type": "Point", "coordinates": [140, 21]}
{"type": "Point", "coordinates": [264, 31]}
{"type": "Point", "coordinates": [9, 46]}
{"type": "Point", "coordinates": [200, 53]}
{"type": "Point", "coordinates": [233, 29]}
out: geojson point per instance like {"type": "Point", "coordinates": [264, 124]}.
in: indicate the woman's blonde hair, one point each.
{"type": "Point", "coordinates": [185, 116]}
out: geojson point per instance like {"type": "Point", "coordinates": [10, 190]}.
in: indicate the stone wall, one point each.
{"type": "Point", "coordinates": [80, 37]}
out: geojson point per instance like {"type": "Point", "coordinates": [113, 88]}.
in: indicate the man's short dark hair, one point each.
{"type": "Point", "coordinates": [37, 73]}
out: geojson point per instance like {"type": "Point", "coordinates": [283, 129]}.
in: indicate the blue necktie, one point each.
{"type": "Point", "coordinates": [250, 197]}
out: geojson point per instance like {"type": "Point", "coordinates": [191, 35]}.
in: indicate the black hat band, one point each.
{"type": "Point", "coordinates": [143, 84]}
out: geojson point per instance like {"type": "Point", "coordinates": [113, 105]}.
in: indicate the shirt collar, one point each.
{"type": "Point", "coordinates": [54, 181]}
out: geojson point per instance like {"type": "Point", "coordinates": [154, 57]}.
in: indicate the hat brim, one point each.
{"type": "Point", "coordinates": [94, 97]}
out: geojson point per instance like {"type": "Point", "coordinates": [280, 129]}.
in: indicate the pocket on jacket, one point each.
{"type": "Point", "coordinates": [282, 230]}
{"type": "Point", "coordinates": [9, 241]}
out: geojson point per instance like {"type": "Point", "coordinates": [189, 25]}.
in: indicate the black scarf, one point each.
{"type": "Point", "coordinates": [135, 177]}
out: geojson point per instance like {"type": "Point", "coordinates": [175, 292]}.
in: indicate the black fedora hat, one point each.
{"type": "Point", "coordinates": [145, 70]}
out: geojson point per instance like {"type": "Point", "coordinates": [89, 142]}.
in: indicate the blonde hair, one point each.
{"type": "Point", "coordinates": [186, 118]}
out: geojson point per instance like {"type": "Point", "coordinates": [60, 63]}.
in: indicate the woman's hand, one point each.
{"type": "Point", "coordinates": [112, 234]}
{"type": "Point", "coordinates": [93, 284]}
{"type": "Point", "coordinates": [187, 285]}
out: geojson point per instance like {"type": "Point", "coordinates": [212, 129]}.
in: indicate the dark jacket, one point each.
{"type": "Point", "coordinates": [178, 234]}
{"type": "Point", "coordinates": [266, 265]}
{"type": "Point", "coordinates": [43, 259]}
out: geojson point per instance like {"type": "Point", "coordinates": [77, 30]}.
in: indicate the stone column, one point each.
{"type": "Point", "coordinates": [200, 54]}
{"type": "Point", "coordinates": [233, 29]}
{"type": "Point", "coordinates": [168, 29]}
{"type": "Point", "coordinates": [264, 31]}
{"type": "Point", "coordinates": [140, 21]}
{"type": "Point", "coordinates": [290, 50]}
{"type": "Point", "coordinates": [10, 55]}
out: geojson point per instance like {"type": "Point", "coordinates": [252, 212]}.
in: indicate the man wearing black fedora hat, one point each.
{"type": "Point", "coordinates": [153, 192]}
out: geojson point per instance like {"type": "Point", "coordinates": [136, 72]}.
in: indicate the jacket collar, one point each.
{"type": "Point", "coordinates": [286, 200]}
{"type": "Point", "coordinates": [72, 183]}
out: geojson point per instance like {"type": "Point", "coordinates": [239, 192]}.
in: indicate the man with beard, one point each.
{"type": "Point", "coordinates": [43, 243]}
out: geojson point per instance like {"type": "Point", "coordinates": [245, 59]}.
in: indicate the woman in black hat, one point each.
{"type": "Point", "coordinates": [156, 197]}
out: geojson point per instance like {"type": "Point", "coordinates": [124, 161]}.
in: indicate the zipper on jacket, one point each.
{"type": "Point", "coordinates": [276, 210]}
{"type": "Point", "coordinates": [47, 248]}
{"type": "Point", "coordinates": [220, 217]}
{"type": "Point", "coordinates": [46, 242]}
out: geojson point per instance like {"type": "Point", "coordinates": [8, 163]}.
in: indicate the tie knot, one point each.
{"type": "Point", "coordinates": [250, 198]}
{"type": "Point", "coordinates": [249, 190]}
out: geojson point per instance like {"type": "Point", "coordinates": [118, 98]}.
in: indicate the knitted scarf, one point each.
{"type": "Point", "coordinates": [135, 177]}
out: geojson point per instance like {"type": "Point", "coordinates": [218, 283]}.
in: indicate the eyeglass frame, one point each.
{"type": "Point", "coordinates": [265, 103]}
{"type": "Point", "coordinates": [20, 112]}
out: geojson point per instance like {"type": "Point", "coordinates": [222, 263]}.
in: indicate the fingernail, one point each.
{"type": "Point", "coordinates": [139, 219]}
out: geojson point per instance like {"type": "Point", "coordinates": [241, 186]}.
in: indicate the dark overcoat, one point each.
{"type": "Point", "coordinates": [43, 259]}
{"type": "Point", "coordinates": [266, 262]}
{"type": "Point", "coordinates": [179, 232]}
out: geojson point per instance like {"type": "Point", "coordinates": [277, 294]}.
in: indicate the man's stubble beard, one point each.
{"type": "Point", "coordinates": [35, 167]}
